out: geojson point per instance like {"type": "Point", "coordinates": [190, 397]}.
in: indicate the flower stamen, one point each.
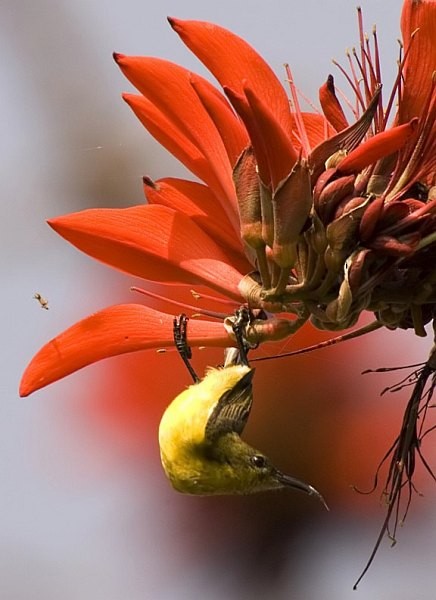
{"type": "Point", "coordinates": [353, 84]}
{"type": "Point", "coordinates": [198, 311]}
{"type": "Point", "coordinates": [296, 110]}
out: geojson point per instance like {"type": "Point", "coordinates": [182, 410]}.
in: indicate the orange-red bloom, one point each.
{"type": "Point", "coordinates": [109, 332]}
{"type": "Point", "coordinates": [296, 212]}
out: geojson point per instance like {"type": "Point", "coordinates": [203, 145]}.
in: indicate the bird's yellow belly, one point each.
{"type": "Point", "coordinates": [187, 474]}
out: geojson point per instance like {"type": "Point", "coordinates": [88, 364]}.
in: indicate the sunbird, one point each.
{"type": "Point", "coordinates": [199, 434]}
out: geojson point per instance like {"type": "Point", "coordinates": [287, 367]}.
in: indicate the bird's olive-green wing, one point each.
{"type": "Point", "coordinates": [232, 409]}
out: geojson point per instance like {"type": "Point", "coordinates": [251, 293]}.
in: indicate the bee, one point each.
{"type": "Point", "coordinates": [43, 302]}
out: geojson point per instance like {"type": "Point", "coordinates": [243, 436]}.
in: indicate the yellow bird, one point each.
{"type": "Point", "coordinates": [199, 434]}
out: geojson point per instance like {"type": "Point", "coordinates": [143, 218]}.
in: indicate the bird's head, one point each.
{"type": "Point", "coordinates": [241, 469]}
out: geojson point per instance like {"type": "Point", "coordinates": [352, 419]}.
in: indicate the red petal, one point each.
{"type": "Point", "coordinates": [232, 132]}
{"type": "Point", "coordinates": [112, 331]}
{"type": "Point", "coordinates": [380, 145]}
{"type": "Point", "coordinates": [421, 58]}
{"type": "Point", "coordinates": [170, 136]}
{"type": "Point", "coordinates": [280, 152]}
{"type": "Point", "coordinates": [317, 129]}
{"type": "Point", "coordinates": [275, 155]}
{"type": "Point", "coordinates": [198, 203]}
{"type": "Point", "coordinates": [242, 107]}
{"type": "Point", "coordinates": [168, 87]}
{"type": "Point", "coordinates": [153, 242]}
{"type": "Point", "coordinates": [331, 106]}
{"type": "Point", "coordinates": [232, 60]}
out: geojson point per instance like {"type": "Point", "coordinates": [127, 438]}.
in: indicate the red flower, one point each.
{"type": "Point", "coordinates": [297, 213]}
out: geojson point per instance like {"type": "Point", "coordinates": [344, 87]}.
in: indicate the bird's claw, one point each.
{"type": "Point", "coordinates": [181, 342]}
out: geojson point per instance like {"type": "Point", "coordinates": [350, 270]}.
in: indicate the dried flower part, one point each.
{"type": "Point", "coordinates": [405, 452]}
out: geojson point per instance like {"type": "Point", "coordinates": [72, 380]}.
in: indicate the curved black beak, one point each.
{"type": "Point", "coordinates": [296, 484]}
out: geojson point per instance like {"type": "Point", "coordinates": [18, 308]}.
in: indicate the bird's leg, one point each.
{"type": "Point", "coordinates": [242, 318]}
{"type": "Point", "coordinates": [179, 333]}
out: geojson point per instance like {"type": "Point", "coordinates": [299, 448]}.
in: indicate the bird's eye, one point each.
{"type": "Point", "coordinates": [258, 461]}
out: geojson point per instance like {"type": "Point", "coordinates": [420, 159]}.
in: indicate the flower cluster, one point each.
{"type": "Point", "coordinates": [299, 213]}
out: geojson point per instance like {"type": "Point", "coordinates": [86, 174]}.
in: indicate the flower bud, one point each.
{"type": "Point", "coordinates": [316, 235]}
{"type": "Point", "coordinates": [342, 235]}
{"type": "Point", "coordinates": [370, 218]}
{"type": "Point", "coordinates": [332, 195]}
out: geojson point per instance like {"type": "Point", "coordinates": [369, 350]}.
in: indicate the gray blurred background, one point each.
{"type": "Point", "coordinates": [86, 513]}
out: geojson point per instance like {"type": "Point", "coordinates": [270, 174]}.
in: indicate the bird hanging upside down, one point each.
{"type": "Point", "coordinates": [199, 434]}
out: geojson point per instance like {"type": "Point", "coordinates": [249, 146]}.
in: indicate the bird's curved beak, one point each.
{"type": "Point", "coordinates": [296, 484]}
